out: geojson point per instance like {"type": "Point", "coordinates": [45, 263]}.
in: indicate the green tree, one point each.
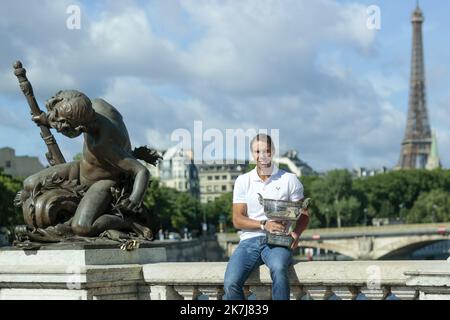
{"type": "Point", "coordinates": [322, 201]}
{"type": "Point", "coordinates": [9, 215]}
{"type": "Point", "coordinates": [393, 194]}
{"type": "Point", "coordinates": [331, 190]}
{"type": "Point", "coordinates": [175, 209]}
{"type": "Point", "coordinates": [338, 199]}
{"type": "Point", "coordinates": [317, 219]}
{"type": "Point", "coordinates": [433, 206]}
{"type": "Point", "coordinates": [185, 212]}
{"type": "Point", "coordinates": [221, 206]}
{"type": "Point", "coordinates": [349, 208]}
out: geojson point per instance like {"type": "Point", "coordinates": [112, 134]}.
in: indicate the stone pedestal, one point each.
{"type": "Point", "coordinates": [74, 272]}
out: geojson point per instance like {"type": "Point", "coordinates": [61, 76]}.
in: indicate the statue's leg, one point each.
{"type": "Point", "coordinates": [66, 171]}
{"type": "Point", "coordinates": [110, 222]}
{"type": "Point", "coordinates": [93, 205]}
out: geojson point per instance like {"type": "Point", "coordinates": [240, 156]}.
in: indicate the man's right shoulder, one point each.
{"type": "Point", "coordinates": [240, 188]}
{"type": "Point", "coordinates": [243, 178]}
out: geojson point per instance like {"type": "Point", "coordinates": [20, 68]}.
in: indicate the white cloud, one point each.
{"type": "Point", "coordinates": [231, 64]}
{"type": "Point", "coordinates": [385, 85]}
{"type": "Point", "coordinates": [156, 139]}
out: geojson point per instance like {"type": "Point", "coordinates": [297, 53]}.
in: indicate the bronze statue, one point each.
{"type": "Point", "coordinates": [102, 192]}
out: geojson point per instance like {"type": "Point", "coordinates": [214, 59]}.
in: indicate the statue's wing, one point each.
{"type": "Point", "coordinates": [146, 154]}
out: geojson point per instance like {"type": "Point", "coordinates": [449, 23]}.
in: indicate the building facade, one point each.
{"type": "Point", "coordinates": [216, 179]}
{"type": "Point", "coordinates": [291, 160]}
{"type": "Point", "coordinates": [177, 170]}
{"type": "Point", "coordinates": [18, 166]}
{"type": "Point", "coordinates": [362, 172]}
{"type": "Point", "coordinates": [208, 181]}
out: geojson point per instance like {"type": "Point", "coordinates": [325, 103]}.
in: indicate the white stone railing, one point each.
{"type": "Point", "coordinates": [143, 274]}
{"type": "Point", "coordinates": [309, 280]}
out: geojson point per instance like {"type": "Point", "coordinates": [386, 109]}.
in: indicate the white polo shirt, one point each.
{"type": "Point", "coordinates": [281, 185]}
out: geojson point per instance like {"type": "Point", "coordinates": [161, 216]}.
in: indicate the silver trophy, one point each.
{"type": "Point", "coordinates": [286, 212]}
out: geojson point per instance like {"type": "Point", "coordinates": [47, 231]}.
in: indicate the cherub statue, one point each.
{"type": "Point", "coordinates": [102, 191]}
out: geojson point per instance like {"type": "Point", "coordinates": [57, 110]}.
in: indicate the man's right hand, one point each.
{"type": "Point", "coordinates": [274, 226]}
{"type": "Point", "coordinates": [41, 120]}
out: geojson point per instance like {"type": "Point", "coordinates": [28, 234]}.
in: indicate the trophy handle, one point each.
{"type": "Point", "coordinates": [260, 199]}
{"type": "Point", "coordinates": [306, 203]}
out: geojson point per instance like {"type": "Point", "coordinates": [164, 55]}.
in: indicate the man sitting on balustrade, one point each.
{"type": "Point", "coordinates": [248, 215]}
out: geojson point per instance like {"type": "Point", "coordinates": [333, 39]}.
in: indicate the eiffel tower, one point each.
{"type": "Point", "coordinates": [416, 145]}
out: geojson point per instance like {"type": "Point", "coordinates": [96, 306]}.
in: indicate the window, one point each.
{"type": "Point", "coordinates": [209, 177]}
{"type": "Point", "coordinates": [217, 177]}
{"type": "Point", "coordinates": [224, 188]}
{"type": "Point", "coordinates": [224, 177]}
{"type": "Point", "coordinates": [8, 164]}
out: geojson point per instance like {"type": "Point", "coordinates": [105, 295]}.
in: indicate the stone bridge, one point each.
{"type": "Point", "coordinates": [366, 243]}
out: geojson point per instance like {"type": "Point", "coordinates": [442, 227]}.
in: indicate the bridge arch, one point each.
{"type": "Point", "coordinates": [404, 249]}
{"type": "Point", "coordinates": [375, 248]}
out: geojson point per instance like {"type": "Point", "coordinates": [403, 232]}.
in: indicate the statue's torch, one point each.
{"type": "Point", "coordinates": [54, 155]}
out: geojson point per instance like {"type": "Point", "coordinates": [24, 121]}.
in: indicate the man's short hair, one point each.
{"type": "Point", "coordinates": [73, 105]}
{"type": "Point", "coordinates": [262, 137]}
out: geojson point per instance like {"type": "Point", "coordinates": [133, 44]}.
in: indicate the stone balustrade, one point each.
{"type": "Point", "coordinates": [360, 280]}
{"type": "Point", "coordinates": [145, 274]}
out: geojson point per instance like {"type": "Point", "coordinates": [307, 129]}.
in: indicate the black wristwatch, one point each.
{"type": "Point", "coordinates": [263, 224]}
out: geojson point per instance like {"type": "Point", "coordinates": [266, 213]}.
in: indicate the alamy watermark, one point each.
{"type": "Point", "coordinates": [373, 277]}
{"type": "Point", "coordinates": [74, 279]}
{"type": "Point", "coordinates": [373, 21]}
{"type": "Point", "coordinates": [215, 146]}
{"type": "Point", "coordinates": [73, 21]}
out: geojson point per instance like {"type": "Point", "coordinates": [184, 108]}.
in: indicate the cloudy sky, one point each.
{"type": "Point", "coordinates": [336, 90]}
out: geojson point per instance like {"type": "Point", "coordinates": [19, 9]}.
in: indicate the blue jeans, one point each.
{"type": "Point", "coordinates": [250, 254]}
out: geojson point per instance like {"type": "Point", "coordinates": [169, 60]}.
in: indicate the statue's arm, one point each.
{"type": "Point", "coordinates": [126, 162]}
{"type": "Point", "coordinates": [41, 119]}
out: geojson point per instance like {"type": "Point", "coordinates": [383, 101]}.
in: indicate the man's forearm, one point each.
{"type": "Point", "coordinates": [244, 222]}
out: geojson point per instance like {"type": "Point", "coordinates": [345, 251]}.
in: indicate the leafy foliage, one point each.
{"type": "Point", "coordinates": [433, 206]}
{"type": "Point", "coordinates": [9, 215]}
{"type": "Point", "coordinates": [417, 196]}
{"type": "Point", "coordinates": [176, 210]}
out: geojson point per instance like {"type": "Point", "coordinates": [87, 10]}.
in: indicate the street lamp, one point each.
{"type": "Point", "coordinates": [434, 212]}
{"type": "Point", "coordinates": [221, 223]}
{"type": "Point", "coordinates": [365, 216]}
{"type": "Point", "coordinates": [400, 213]}
{"type": "Point", "coordinates": [204, 224]}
